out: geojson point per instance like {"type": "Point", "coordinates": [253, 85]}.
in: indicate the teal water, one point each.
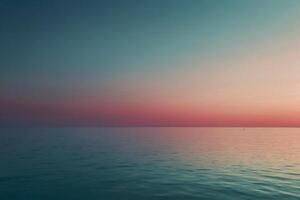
{"type": "Point", "coordinates": [149, 163]}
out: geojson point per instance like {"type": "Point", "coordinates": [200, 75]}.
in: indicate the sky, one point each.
{"type": "Point", "coordinates": [150, 63]}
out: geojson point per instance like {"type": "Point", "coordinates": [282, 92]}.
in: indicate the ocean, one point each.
{"type": "Point", "coordinates": [149, 163]}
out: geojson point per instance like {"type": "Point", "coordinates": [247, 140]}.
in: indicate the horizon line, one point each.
{"type": "Point", "coordinates": [140, 126]}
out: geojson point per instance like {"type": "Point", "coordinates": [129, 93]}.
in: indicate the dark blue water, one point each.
{"type": "Point", "coordinates": [149, 163]}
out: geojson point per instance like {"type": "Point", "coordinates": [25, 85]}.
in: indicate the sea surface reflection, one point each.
{"type": "Point", "coordinates": [150, 163]}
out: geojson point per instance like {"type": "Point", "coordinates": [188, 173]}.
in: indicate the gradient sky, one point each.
{"type": "Point", "coordinates": [150, 63]}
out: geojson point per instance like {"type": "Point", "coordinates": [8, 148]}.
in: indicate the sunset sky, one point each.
{"type": "Point", "coordinates": [150, 63]}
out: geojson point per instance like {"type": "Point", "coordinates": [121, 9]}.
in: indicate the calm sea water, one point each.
{"type": "Point", "coordinates": [149, 163]}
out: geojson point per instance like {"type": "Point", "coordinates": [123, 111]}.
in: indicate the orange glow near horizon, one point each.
{"type": "Point", "coordinates": [142, 115]}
